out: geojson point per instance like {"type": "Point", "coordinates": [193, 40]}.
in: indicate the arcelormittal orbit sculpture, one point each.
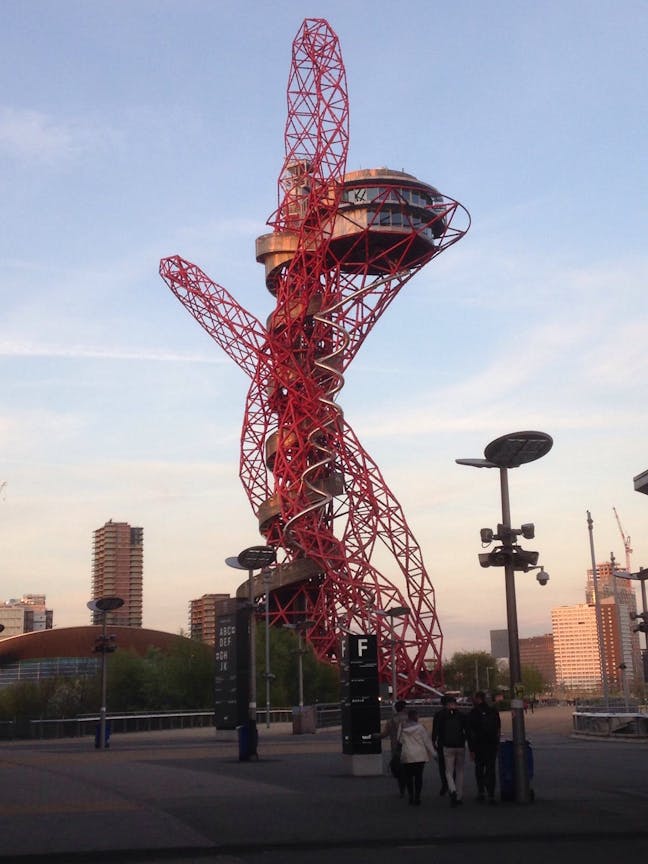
{"type": "Point", "coordinates": [342, 246]}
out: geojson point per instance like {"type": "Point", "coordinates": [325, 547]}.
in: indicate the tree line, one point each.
{"type": "Point", "coordinates": [182, 678]}
{"type": "Point", "coordinates": [469, 671]}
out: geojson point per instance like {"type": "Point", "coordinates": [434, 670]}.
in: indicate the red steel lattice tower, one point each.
{"type": "Point", "coordinates": [342, 246]}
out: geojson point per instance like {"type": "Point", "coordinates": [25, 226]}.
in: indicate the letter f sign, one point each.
{"type": "Point", "coordinates": [362, 646]}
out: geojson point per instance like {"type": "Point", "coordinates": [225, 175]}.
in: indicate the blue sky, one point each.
{"type": "Point", "coordinates": [134, 130]}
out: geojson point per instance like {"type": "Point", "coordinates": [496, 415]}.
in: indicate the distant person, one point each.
{"type": "Point", "coordinates": [391, 730]}
{"type": "Point", "coordinates": [451, 735]}
{"type": "Point", "coordinates": [417, 750]}
{"type": "Point", "coordinates": [484, 730]}
{"type": "Point", "coordinates": [439, 749]}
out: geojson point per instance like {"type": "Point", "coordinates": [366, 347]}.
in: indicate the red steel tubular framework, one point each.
{"type": "Point", "coordinates": [342, 246]}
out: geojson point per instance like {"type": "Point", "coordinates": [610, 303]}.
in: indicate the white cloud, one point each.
{"type": "Point", "coordinates": [22, 433]}
{"type": "Point", "coordinates": [553, 367]}
{"type": "Point", "coordinates": [27, 349]}
{"type": "Point", "coordinates": [32, 136]}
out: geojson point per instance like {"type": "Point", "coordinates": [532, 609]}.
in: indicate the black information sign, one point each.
{"type": "Point", "coordinates": [232, 660]}
{"type": "Point", "coordinates": [360, 702]}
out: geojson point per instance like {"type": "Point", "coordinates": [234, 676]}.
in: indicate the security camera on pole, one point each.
{"type": "Point", "coordinates": [642, 625]}
{"type": "Point", "coordinates": [511, 451]}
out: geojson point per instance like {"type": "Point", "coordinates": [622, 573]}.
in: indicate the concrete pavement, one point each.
{"type": "Point", "coordinates": [183, 796]}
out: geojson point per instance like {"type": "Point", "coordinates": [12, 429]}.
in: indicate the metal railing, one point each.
{"type": "Point", "coordinates": [77, 727]}
{"type": "Point", "coordinates": [614, 705]}
{"type": "Point", "coordinates": [326, 716]}
{"type": "Point", "coordinates": [617, 724]}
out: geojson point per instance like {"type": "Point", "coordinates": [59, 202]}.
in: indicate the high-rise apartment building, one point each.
{"type": "Point", "coordinates": [202, 617]}
{"type": "Point", "coordinates": [576, 646]}
{"type": "Point", "coordinates": [25, 615]}
{"type": "Point", "coordinates": [537, 652]}
{"type": "Point", "coordinates": [576, 638]}
{"type": "Point", "coordinates": [117, 571]}
{"type": "Point", "coordinates": [621, 593]}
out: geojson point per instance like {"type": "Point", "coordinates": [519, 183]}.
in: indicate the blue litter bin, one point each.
{"type": "Point", "coordinates": [506, 776]}
{"type": "Point", "coordinates": [98, 734]}
{"type": "Point", "coordinates": [247, 741]}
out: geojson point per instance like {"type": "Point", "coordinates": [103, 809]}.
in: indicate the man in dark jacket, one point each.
{"type": "Point", "coordinates": [484, 729]}
{"type": "Point", "coordinates": [451, 734]}
{"type": "Point", "coordinates": [439, 748]}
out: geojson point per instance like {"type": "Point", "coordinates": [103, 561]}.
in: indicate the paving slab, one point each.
{"type": "Point", "coordinates": [183, 795]}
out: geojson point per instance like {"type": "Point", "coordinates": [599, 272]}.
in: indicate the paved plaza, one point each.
{"type": "Point", "coordinates": [183, 796]}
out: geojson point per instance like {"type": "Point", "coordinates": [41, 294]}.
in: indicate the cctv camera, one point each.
{"type": "Point", "coordinates": [542, 577]}
{"type": "Point", "coordinates": [528, 530]}
{"type": "Point", "coordinates": [486, 535]}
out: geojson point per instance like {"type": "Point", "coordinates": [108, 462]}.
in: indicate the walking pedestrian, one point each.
{"type": "Point", "coordinates": [391, 730]}
{"type": "Point", "coordinates": [439, 749]}
{"type": "Point", "coordinates": [484, 730]}
{"type": "Point", "coordinates": [451, 736]}
{"type": "Point", "coordinates": [417, 750]}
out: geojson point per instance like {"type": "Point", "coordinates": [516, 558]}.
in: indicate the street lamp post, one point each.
{"type": "Point", "coordinates": [624, 685]}
{"type": "Point", "coordinates": [641, 485]}
{"type": "Point", "coordinates": [393, 665]}
{"type": "Point", "coordinates": [511, 451]}
{"type": "Point", "coordinates": [267, 577]}
{"type": "Point", "coordinates": [300, 627]}
{"type": "Point", "coordinates": [640, 576]}
{"type": "Point", "coordinates": [622, 641]}
{"type": "Point", "coordinates": [104, 645]}
{"type": "Point", "coordinates": [251, 559]}
{"type": "Point", "coordinates": [599, 615]}
{"type": "Point", "coordinates": [394, 612]}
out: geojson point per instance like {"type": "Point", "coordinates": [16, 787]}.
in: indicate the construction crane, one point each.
{"type": "Point", "coordinates": [626, 542]}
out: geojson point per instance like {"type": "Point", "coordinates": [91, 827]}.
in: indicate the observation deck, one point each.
{"type": "Point", "coordinates": [379, 209]}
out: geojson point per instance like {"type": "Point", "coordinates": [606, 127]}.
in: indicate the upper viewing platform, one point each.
{"type": "Point", "coordinates": [379, 209]}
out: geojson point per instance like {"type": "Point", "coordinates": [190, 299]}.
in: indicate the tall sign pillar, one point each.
{"type": "Point", "coordinates": [232, 662]}
{"type": "Point", "coordinates": [361, 705]}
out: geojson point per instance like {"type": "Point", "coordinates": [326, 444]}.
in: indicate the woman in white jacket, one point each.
{"type": "Point", "coordinates": [417, 750]}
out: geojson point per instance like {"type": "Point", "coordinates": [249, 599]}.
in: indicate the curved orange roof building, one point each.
{"type": "Point", "coordinates": [80, 642]}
